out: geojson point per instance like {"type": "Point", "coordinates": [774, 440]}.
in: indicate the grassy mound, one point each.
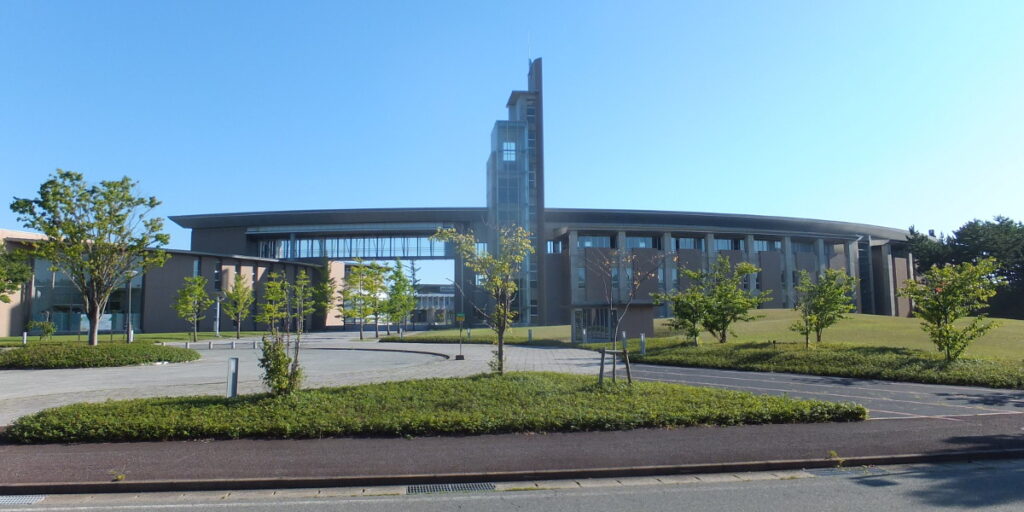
{"type": "Point", "coordinates": [516, 402]}
{"type": "Point", "coordinates": [840, 360]}
{"type": "Point", "coordinates": [82, 356]}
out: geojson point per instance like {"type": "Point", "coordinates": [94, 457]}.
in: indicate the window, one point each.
{"type": "Point", "coordinates": [767, 245]}
{"type": "Point", "coordinates": [642, 242]}
{"type": "Point", "coordinates": [217, 273]}
{"type": "Point", "coordinates": [581, 277]}
{"type": "Point", "coordinates": [729, 244]}
{"type": "Point", "coordinates": [197, 267]}
{"type": "Point", "coordinates": [594, 241]}
{"type": "Point", "coordinates": [690, 243]}
{"type": "Point", "coordinates": [508, 151]}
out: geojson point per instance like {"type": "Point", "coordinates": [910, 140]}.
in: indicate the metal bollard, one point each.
{"type": "Point", "coordinates": [584, 335]}
{"type": "Point", "coordinates": [254, 344]}
{"type": "Point", "coordinates": [209, 345]}
{"type": "Point", "coordinates": [232, 377]}
{"type": "Point", "coordinates": [529, 335]}
{"type": "Point", "coordinates": [232, 345]}
{"type": "Point", "coordinates": [24, 338]}
{"type": "Point", "coordinates": [643, 344]}
{"type": "Point", "coordinates": [131, 335]}
{"type": "Point", "coordinates": [187, 344]}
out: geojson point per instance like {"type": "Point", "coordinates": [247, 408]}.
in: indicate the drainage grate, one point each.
{"type": "Point", "coordinates": [848, 471]}
{"type": "Point", "coordinates": [28, 499]}
{"type": "Point", "coordinates": [434, 488]}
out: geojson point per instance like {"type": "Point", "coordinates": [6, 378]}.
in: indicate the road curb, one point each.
{"type": "Point", "coordinates": [499, 476]}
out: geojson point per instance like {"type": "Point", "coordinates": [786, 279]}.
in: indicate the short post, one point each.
{"type": "Point", "coordinates": [232, 344]}
{"type": "Point", "coordinates": [254, 344]}
{"type": "Point", "coordinates": [529, 335]}
{"type": "Point", "coordinates": [600, 376]}
{"type": "Point", "coordinates": [24, 337]}
{"type": "Point", "coordinates": [131, 335]}
{"type": "Point", "coordinates": [469, 334]}
{"type": "Point", "coordinates": [232, 377]}
{"type": "Point", "coordinates": [209, 345]}
{"type": "Point", "coordinates": [187, 344]}
{"type": "Point", "coordinates": [643, 344]}
{"type": "Point", "coordinates": [584, 335]}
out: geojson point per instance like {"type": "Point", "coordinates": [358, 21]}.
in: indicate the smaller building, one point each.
{"type": "Point", "coordinates": [147, 298]}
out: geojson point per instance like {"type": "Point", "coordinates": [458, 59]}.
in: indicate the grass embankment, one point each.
{"type": "Point", "coordinates": [838, 360]}
{"type": "Point", "coordinates": [484, 404]}
{"type": "Point", "coordinates": [83, 356]}
{"type": "Point", "coordinates": [1005, 341]}
{"type": "Point", "coordinates": [156, 337]}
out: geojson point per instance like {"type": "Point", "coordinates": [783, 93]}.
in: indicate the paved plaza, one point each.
{"type": "Point", "coordinates": [339, 358]}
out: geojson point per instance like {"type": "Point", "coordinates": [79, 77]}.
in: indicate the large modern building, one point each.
{"type": "Point", "coordinates": [583, 270]}
{"type": "Point", "coordinates": [584, 260]}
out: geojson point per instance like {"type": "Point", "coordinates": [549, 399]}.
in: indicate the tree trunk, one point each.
{"type": "Point", "coordinates": [501, 352]}
{"type": "Point", "coordinates": [361, 323]}
{"type": "Point", "coordinates": [807, 340]}
{"type": "Point", "coordinates": [94, 325]}
{"type": "Point", "coordinates": [817, 336]}
{"type": "Point", "coordinates": [195, 331]}
{"type": "Point", "coordinates": [238, 328]}
{"type": "Point", "coordinates": [376, 326]}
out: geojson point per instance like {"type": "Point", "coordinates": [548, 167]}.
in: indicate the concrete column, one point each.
{"type": "Point", "coordinates": [669, 252]}
{"type": "Point", "coordinates": [788, 265]}
{"type": "Point", "coordinates": [819, 248]}
{"type": "Point", "coordinates": [752, 259]}
{"type": "Point", "coordinates": [888, 306]}
{"type": "Point", "coordinates": [709, 250]}
{"type": "Point", "coordinates": [623, 252]}
{"type": "Point", "coordinates": [574, 262]}
{"type": "Point", "coordinates": [853, 270]}
{"type": "Point", "coordinates": [292, 249]}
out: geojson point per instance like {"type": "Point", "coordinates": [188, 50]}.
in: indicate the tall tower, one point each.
{"type": "Point", "coordinates": [515, 183]}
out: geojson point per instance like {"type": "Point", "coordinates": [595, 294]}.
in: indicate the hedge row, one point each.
{"type": "Point", "coordinates": [84, 356]}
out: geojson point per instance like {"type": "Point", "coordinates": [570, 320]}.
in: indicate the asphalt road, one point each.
{"type": "Point", "coordinates": [993, 486]}
{"type": "Point", "coordinates": [884, 400]}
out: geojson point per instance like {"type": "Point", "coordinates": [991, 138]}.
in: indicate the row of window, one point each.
{"type": "Point", "coordinates": [354, 247]}
{"type": "Point", "coordinates": [695, 243]}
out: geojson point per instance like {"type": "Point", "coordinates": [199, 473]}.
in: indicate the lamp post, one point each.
{"type": "Point", "coordinates": [129, 333]}
{"type": "Point", "coordinates": [219, 295]}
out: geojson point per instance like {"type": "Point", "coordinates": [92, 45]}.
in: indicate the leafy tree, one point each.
{"type": "Point", "coordinates": [375, 287]}
{"type": "Point", "coordinates": [948, 293]}
{"type": "Point", "coordinates": [238, 302]}
{"type": "Point", "coordinates": [356, 296]}
{"type": "Point", "coordinates": [13, 273]}
{"type": "Point", "coordinates": [324, 298]}
{"type": "Point", "coordinates": [274, 358]}
{"type": "Point", "coordinates": [1001, 238]}
{"type": "Point", "coordinates": [688, 310]}
{"type": "Point", "coordinates": [192, 302]}
{"type": "Point", "coordinates": [303, 305]}
{"type": "Point", "coordinates": [823, 303]}
{"type": "Point", "coordinates": [725, 301]}
{"type": "Point", "coordinates": [95, 234]}
{"type": "Point", "coordinates": [498, 272]}
{"type": "Point", "coordinates": [401, 294]}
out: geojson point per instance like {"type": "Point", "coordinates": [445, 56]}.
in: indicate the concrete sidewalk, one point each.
{"type": "Point", "coordinates": [240, 464]}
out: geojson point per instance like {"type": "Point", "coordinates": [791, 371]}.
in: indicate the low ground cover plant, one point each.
{"type": "Point", "coordinates": [483, 404]}
{"type": "Point", "coordinates": [83, 356]}
{"type": "Point", "coordinates": [841, 360]}
{"type": "Point", "coordinates": [480, 337]}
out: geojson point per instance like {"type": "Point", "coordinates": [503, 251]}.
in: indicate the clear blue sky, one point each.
{"type": "Point", "coordinates": [890, 113]}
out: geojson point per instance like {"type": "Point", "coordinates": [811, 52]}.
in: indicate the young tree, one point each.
{"type": "Point", "coordinates": [274, 358]}
{"type": "Point", "coordinates": [375, 288]}
{"type": "Point", "coordinates": [725, 300]}
{"type": "Point", "coordinates": [238, 303]}
{"type": "Point", "coordinates": [303, 305]}
{"type": "Point", "coordinates": [324, 297]}
{"type": "Point", "coordinates": [95, 234]}
{"type": "Point", "coordinates": [947, 293]}
{"type": "Point", "coordinates": [498, 272]}
{"type": "Point", "coordinates": [688, 310]}
{"type": "Point", "coordinates": [355, 299]}
{"type": "Point", "coordinates": [192, 302]}
{"type": "Point", "coordinates": [821, 304]}
{"type": "Point", "coordinates": [13, 273]}
{"type": "Point", "coordinates": [401, 294]}
{"type": "Point", "coordinates": [637, 272]}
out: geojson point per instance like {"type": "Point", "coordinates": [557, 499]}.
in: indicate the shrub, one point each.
{"type": "Point", "coordinates": [82, 356]}
{"type": "Point", "coordinates": [516, 402]}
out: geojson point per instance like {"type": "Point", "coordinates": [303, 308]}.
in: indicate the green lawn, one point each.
{"type": "Point", "coordinates": [1005, 341]}
{"type": "Point", "coordinates": [483, 404]}
{"type": "Point", "coordinates": [13, 341]}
